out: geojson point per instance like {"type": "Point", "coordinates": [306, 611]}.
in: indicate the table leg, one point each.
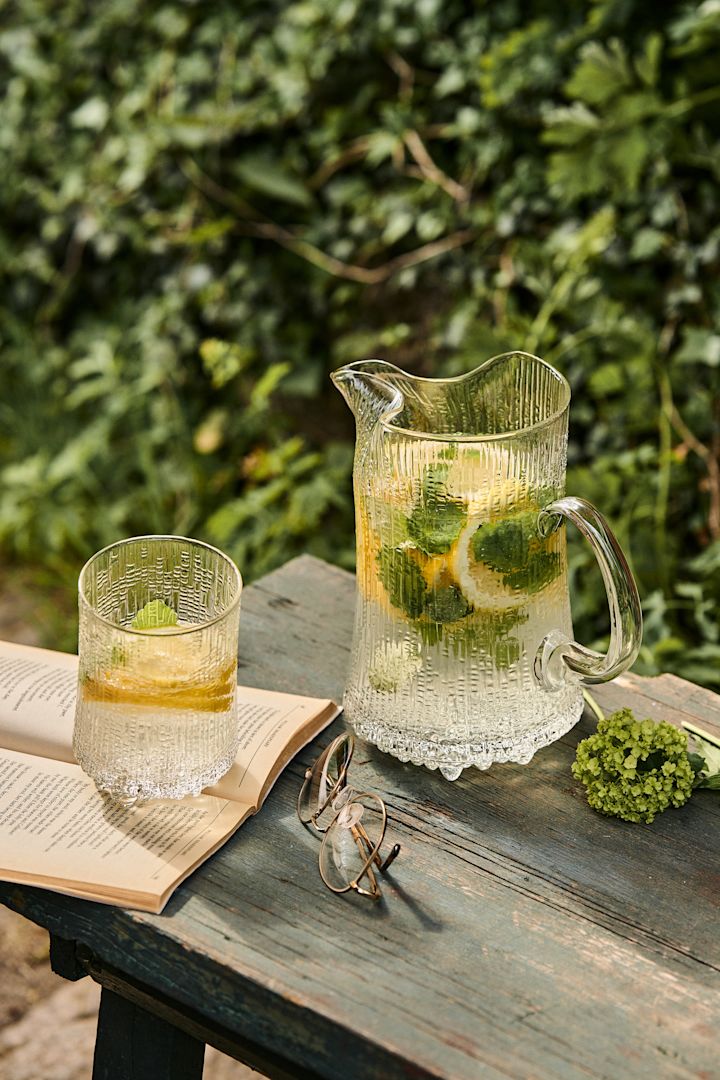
{"type": "Point", "coordinates": [132, 1044]}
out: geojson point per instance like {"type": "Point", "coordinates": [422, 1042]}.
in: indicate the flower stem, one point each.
{"type": "Point", "coordinates": [593, 705]}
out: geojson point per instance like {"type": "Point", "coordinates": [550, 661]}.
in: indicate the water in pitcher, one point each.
{"type": "Point", "coordinates": [157, 702]}
{"type": "Point", "coordinates": [452, 566]}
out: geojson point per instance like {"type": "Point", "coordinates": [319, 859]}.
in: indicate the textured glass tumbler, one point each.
{"type": "Point", "coordinates": [155, 715]}
{"type": "Point", "coordinates": [463, 651]}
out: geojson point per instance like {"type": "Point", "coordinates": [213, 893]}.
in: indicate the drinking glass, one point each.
{"type": "Point", "coordinates": [155, 715]}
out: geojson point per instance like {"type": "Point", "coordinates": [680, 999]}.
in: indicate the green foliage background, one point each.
{"type": "Point", "coordinates": [208, 206]}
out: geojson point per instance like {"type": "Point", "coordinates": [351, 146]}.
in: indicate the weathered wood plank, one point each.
{"type": "Point", "coordinates": [64, 959]}
{"type": "Point", "coordinates": [132, 1044]}
{"type": "Point", "coordinates": [521, 934]}
{"type": "Point", "coordinates": [190, 1021]}
{"type": "Point", "coordinates": [665, 697]}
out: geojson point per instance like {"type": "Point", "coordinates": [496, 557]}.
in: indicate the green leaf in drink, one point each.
{"type": "Point", "coordinates": [504, 545]}
{"type": "Point", "coordinates": [154, 615]}
{"type": "Point", "coordinates": [447, 604]}
{"type": "Point", "coordinates": [403, 580]}
{"type": "Point", "coordinates": [438, 519]}
{"type": "Point", "coordinates": [513, 547]}
{"type": "Point", "coordinates": [542, 568]}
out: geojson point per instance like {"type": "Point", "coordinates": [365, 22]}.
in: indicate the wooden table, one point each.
{"type": "Point", "coordinates": [522, 935]}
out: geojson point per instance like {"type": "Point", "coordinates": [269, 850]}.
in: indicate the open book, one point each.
{"type": "Point", "coordinates": [57, 832]}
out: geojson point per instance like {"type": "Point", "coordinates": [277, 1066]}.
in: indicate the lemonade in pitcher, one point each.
{"type": "Point", "coordinates": [463, 651]}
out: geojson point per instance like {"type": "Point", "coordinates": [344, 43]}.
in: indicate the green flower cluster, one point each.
{"type": "Point", "coordinates": [634, 769]}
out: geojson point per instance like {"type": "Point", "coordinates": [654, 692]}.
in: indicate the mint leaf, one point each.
{"type": "Point", "coordinates": [449, 452]}
{"type": "Point", "coordinates": [154, 615]}
{"type": "Point", "coordinates": [403, 580]}
{"type": "Point", "coordinates": [492, 635]}
{"type": "Point", "coordinates": [504, 545]}
{"type": "Point", "coordinates": [514, 548]}
{"type": "Point", "coordinates": [435, 526]}
{"type": "Point", "coordinates": [434, 479]}
{"type": "Point", "coordinates": [118, 656]}
{"type": "Point", "coordinates": [481, 631]}
{"type": "Point", "coordinates": [447, 604]}
{"type": "Point", "coordinates": [506, 652]}
{"type": "Point", "coordinates": [438, 519]}
{"type": "Point", "coordinates": [542, 568]}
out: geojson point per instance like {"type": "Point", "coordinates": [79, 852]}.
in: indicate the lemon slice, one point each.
{"type": "Point", "coordinates": [480, 585]}
{"type": "Point", "coordinates": [163, 676]}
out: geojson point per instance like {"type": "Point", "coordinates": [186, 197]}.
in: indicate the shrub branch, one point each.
{"type": "Point", "coordinates": [251, 223]}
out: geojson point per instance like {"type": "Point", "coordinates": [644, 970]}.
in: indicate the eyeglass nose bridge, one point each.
{"type": "Point", "coordinates": [369, 850]}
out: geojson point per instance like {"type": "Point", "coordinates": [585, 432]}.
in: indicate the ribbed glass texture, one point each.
{"type": "Point", "coordinates": [457, 586]}
{"type": "Point", "coordinates": [156, 713]}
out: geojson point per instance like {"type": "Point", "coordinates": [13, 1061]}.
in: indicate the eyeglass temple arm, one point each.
{"type": "Point", "coordinates": [382, 864]}
{"type": "Point", "coordinates": [392, 856]}
{"type": "Point", "coordinates": [374, 889]}
{"type": "Point", "coordinates": [325, 798]}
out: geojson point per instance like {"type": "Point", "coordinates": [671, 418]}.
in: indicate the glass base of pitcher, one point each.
{"type": "Point", "coordinates": [451, 757]}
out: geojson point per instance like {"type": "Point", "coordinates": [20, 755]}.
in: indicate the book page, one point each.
{"type": "Point", "coordinates": [38, 688]}
{"type": "Point", "coordinates": [274, 727]}
{"type": "Point", "coordinates": [58, 831]}
{"type": "Point", "coordinates": [37, 713]}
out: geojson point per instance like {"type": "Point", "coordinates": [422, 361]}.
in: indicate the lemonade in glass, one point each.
{"type": "Point", "coordinates": [155, 714]}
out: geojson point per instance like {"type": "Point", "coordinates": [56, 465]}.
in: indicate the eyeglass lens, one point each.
{"type": "Point", "coordinates": [352, 843]}
{"type": "Point", "coordinates": [324, 782]}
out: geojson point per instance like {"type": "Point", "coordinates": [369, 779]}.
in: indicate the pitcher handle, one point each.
{"type": "Point", "coordinates": [560, 660]}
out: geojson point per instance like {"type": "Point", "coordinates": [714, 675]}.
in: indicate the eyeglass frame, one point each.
{"type": "Point", "coordinates": [358, 832]}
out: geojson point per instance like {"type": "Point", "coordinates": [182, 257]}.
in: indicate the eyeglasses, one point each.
{"type": "Point", "coordinates": [352, 823]}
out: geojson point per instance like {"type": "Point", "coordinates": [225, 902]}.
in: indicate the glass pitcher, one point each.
{"type": "Point", "coordinates": [463, 651]}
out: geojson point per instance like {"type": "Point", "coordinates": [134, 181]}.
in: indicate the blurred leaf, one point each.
{"type": "Point", "coordinates": [209, 435]}
{"type": "Point", "coordinates": [648, 64]}
{"type": "Point", "coordinates": [699, 346]}
{"type": "Point", "coordinates": [603, 73]}
{"type": "Point", "coordinates": [267, 384]}
{"type": "Point", "coordinates": [266, 175]}
{"type": "Point", "coordinates": [92, 114]}
{"type": "Point", "coordinates": [647, 243]}
{"type": "Point", "coordinates": [224, 360]}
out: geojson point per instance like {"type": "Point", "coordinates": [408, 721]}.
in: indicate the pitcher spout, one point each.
{"type": "Point", "coordinates": [369, 391]}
